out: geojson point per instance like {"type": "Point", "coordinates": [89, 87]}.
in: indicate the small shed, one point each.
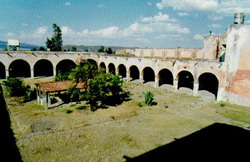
{"type": "Point", "coordinates": [13, 44]}
{"type": "Point", "coordinates": [44, 90]}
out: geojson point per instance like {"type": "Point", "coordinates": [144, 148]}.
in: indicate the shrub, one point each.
{"type": "Point", "coordinates": [15, 87]}
{"type": "Point", "coordinates": [149, 98]}
{"type": "Point", "coordinates": [140, 104]}
{"type": "Point", "coordinates": [67, 111]}
{"type": "Point", "coordinates": [222, 105]}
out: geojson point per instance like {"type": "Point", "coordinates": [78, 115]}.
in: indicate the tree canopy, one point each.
{"type": "Point", "coordinates": [55, 42]}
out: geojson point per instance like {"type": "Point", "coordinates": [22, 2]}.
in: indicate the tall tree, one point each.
{"type": "Point", "coordinates": [55, 43]}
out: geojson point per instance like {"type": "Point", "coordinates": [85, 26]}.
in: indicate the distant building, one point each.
{"type": "Point", "coordinates": [13, 45]}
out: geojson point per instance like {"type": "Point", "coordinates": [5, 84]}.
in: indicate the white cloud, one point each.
{"type": "Point", "coordinates": [214, 26]}
{"type": "Point", "coordinates": [188, 5]}
{"type": "Point", "coordinates": [67, 3]}
{"type": "Point", "coordinates": [215, 17]}
{"type": "Point", "coordinates": [9, 34]}
{"type": "Point", "coordinates": [40, 32]}
{"type": "Point", "coordinates": [24, 24]}
{"type": "Point", "coordinates": [183, 14]}
{"type": "Point", "coordinates": [198, 37]}
{"type": "Point", "coordinates": [149, 3]}
{"type": "Point", "coordinates": [157, 18]}
{"type": "Point", "coordinates": [170, 37]}
{"type": "Point", "coordinates": [101, 6]}
{"type": "Point", "coordinates": [219, 8]}
{"type": "Point", "coordinates": [67, 31]}
{"type": "Point", "coordinates": [107, 32]}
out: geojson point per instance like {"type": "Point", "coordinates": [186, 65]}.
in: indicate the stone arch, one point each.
{"type": "Point", "coordinates": [185, 79]}
{"type": "Point", "coordinates": [209, 82]}
{"type": "Point", "coordinates": [93, 62]}
{"type": "Point", "coordinates": [165, 77]}
{"type": "Point", "coordinates": [65, 66]}
{"type": "Point", "coordinates": [134, 72]}
{"type": "Point", "coordinates": [148, 74]}
{"type": "Point", "coordinates": [122, 70]}
{"type": "Point", "coordinates": [103, 66]}
{"type": "Point", "coordinates": [111, 68]}
{"type": "Point", "coordinates": [43, 67]}
{"type": "Point", "coordinates": [19, 68]}
{"type": "Point", "coordinates": [2, 71]}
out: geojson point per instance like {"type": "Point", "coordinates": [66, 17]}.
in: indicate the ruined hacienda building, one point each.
{"type": "Point", "coordinates": [221, 67]}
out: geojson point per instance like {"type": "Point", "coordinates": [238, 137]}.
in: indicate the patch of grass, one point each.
{"type": "Point", "coordinates": [82, 107]}
{"type": "Point", "coordinates": [67, 111]}
{"type": "Point", "coordinates": [140, 104]}
{"type": "Point", "coordinates": [222, 104]}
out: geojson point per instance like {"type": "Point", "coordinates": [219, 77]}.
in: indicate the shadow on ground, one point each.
{"type": "Point", "coordinates": [213, 143]}
{"type": "Point", "coordinates": [9, 150]}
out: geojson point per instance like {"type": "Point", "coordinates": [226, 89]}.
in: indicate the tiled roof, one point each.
{"type": "Point", "coordinates": [48, 87]}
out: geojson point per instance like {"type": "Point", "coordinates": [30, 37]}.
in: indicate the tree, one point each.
{"type": "Point", "coordinates": [109, 51]}
{"type": "Point", "coordinates": [101, 49]}
{"type": "Point", "coordinates": [41, 48]}
{"type": "Point", "coordinates": [55, 43]}
{"type": "Point", "coordinates": [97, 85]}
{"type": "Point", "coordinates": [73, 48]}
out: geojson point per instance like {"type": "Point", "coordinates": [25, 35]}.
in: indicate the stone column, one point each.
{"type": "Point", "coordinates": [54, 72]}
{"type": "Point", "coordinates": [196, 89]}
{"type": "Point", "coordinates": [32, 73]}
{"type": "Point", "coordinates": [141, 77]}
{"type": "Point", "coordinates": [220, 94]}
{"type": "Point", "coordinates": [128, 75]}
{"type": "Point", "coordinates": [176, 85]}
{"type": "Point", "coordinates": [7, 73]}
{"type": "Point", "coordinates": [156, 81]}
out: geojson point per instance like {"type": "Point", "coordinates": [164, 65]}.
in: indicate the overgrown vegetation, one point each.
{"type": "Point", "coordinates": [149, 98]}
{"type": "Point", "coordinates": [15, 87]}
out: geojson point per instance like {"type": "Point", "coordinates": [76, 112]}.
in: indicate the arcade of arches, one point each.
{"type": "Point", "coordinates": [184, 79]}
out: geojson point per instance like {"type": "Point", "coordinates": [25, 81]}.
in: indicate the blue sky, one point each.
{"type": "Point", "coordinates": [134, 23]}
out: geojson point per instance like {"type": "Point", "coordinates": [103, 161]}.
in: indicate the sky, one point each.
{"type": "Point", "coordinates": [129, 23]}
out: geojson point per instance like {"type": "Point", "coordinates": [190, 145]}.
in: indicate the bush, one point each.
{"type": "Point", "coordinates": [222, 105]}
{"type": "Point", "coordinates": [67, 111]}
{"type": "Point", "coordinates": [140, 104]}
{"type": "Point", "coordinates": [61, 76]}
{"type": "Point", "coordinates": [15, 87]}
{"type": "Point", "coordinates": [149, 98]}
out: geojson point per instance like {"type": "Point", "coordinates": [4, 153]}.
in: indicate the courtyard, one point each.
{"type": "Point", "coordinates": [114, 131]}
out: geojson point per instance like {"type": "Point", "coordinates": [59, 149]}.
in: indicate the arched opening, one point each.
{"type": "Point", "coordinates": [93, 62]}
{"type": "Point", "coordinates": [134, 72]}
{"type": "Point", "coordinates": [43, 68]}
{"type": "Point", "coordinates": [165, 77]}
{"type": "Point", "coordinates": [103, 66]}
{"type": "Point", "coordinates": [2, 71]}
{"type": "Point", "coordinates": [65, 66]}
{"type": "Point", "coordinates": [19, 68]}
{"type": "Point", "coordinates": [122, 70]}
{"type": "Point", "coordinates": [148, 74]}
{"type": "Point", "coordinates": [111, 68]}
{"type": "Point", "coordinates": [209, 82]}
{"type": "Point", "coordinates": [185, 79]}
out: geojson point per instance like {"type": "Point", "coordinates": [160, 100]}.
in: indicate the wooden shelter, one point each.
{"type": "Point", "coordinates": [44, 90]}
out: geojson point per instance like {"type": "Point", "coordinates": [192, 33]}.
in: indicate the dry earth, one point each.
{"type": "Point", "coordinates": [109, 134]}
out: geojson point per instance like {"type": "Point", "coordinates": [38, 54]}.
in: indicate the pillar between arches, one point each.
{"type": "Point", "coordinates": [175, 84]}
{"type": "Point", "coordinates": [156, 81]}
{"type": "Point", "coordinates": [196, 89]}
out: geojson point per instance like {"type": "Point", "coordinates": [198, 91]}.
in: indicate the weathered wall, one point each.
{"type": "Point", "coordinates": [237, 61]}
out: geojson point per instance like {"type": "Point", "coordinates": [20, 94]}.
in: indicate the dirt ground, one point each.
{"type": "Point", "coordinates": [109, 134]}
